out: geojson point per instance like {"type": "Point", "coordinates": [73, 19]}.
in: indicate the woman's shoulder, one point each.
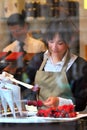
{"type": "Point", "coordinates": [80, 60]}
{"type": "Point", "coordinates": [78, 66]}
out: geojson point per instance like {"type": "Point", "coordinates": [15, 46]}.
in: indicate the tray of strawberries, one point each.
{"type": "Point", "coordinates": [62, 113]}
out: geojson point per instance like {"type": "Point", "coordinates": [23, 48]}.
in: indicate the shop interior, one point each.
{"type": "Point", "coordinates": [39, 13]}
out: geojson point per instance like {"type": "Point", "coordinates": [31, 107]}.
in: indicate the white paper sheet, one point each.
{"type": "Point", "coordinates": [3, 103]}
{"type": "Point", "coordinates": [8, 96]}
{"type": "Point", "coordinates": [16, 90]}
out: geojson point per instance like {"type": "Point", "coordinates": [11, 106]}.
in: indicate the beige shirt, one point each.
{"type": "Point", "coordinates": [32, 45]}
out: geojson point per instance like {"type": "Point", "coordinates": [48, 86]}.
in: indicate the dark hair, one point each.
{"type": "Point", "coordinates": [62, 28]}
{"type": "Point", "coordinates": [16, 19]}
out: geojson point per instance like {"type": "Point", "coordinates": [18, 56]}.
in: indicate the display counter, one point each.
{"type": "Point", "coordinates": [35, 124]}
{"type": "Point", "coordinates": [43, 123]}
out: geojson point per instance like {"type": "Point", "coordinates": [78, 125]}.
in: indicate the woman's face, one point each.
{"type": "Point", "coordinates": [57, 46]}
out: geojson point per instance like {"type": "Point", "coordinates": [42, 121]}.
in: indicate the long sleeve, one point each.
{"type": "Point", "coordinates": [78, 83]}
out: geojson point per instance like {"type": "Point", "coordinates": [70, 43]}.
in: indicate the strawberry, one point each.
{"type": "Point", "coordinates": [29, 102]}
{"type": "Point", "coordinates": [39, 103]}
{"type": "Point", "coordinates": [34, 103]}
{"type": "Point", "coordinates": [72, 114]}
{"type": "Point", "coordinates": [59, 112]}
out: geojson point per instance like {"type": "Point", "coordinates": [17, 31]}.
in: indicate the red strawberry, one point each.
{"type": "Point", "coordinates": [29, 102]}
{"type": "Point", "coordinates": [40, 112]}
{"type": "Point", "coordinates": [39, 103]}
{"type": "Point", "coordinates": [34, 103]}
{"type": "Point", "coordinates": [72, 114]}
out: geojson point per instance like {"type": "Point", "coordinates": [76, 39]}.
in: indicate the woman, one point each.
{"type": "Point", "coordinates": [56, 70]}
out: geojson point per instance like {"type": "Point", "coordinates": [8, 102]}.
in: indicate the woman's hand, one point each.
{"type": "Point", "coordinates": [51, 102]}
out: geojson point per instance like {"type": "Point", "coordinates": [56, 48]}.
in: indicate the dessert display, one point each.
{"type": "Point", "coordinates": [65, 111]}
{"type": "Point", "coordinates": [11, 98]}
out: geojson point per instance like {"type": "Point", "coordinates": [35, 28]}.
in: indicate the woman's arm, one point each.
{"type": "Point", "coordinates": [78, 83]}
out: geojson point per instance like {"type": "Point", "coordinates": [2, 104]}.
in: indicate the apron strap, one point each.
{"type": "Point", "coordinates": [66, 61]}
{"type": "Point", "coordinates": [43, 64]}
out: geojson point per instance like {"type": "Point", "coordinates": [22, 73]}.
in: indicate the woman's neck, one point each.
{"type": "Point", "coordinates": [56, 58]}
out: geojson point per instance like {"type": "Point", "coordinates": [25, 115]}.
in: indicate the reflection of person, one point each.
{"type": "Point", "coordinates": [19, 31]}
{"type": "Point", "coordinates": [56, 69]}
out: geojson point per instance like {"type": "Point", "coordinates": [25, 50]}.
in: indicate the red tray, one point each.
{"type": "Point", "coordinates": [2, 55]}
{"type": "Point", "coordinates": [14, 56]}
